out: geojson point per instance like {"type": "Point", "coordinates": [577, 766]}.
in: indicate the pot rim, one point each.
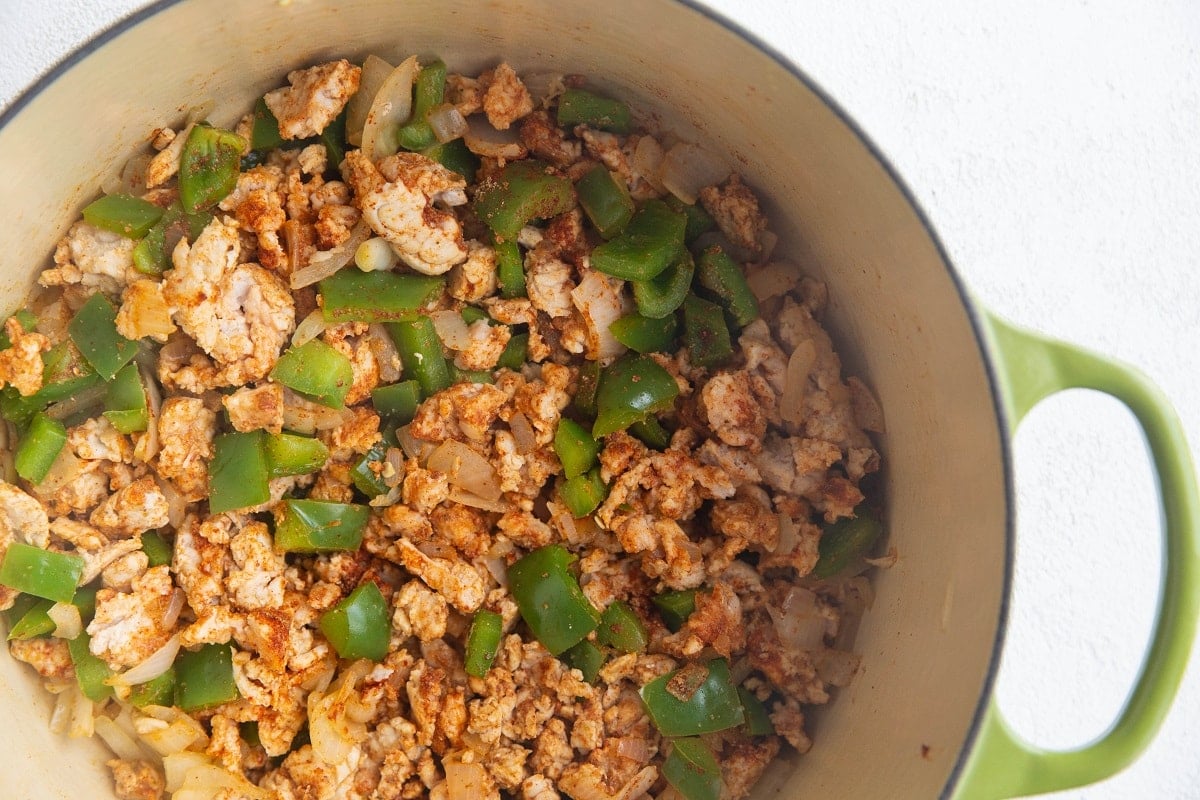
{"type": "Point", "coordinates": [974, 312]}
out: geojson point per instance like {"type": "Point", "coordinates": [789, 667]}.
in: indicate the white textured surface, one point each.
{"type": "Point", "coordinates": [1054, 148]}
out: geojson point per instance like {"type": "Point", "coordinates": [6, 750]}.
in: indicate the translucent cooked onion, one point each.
{"type": "Point", "coordinates": [452, 329]}
{"type": "Point", "coordinates": [83, 720]}
{"type": "Point", "coordinates": [411, 445]}
{"type": "Point", "coordinates": [176, 504]}
{"type": "Point", "coordinates": [386, 354]}
{"type": "Point", "coordinates": [326, 262]}
{"type": "Point", "coordinates": [390, 108]}
{"type": "Point", "coordinates": [67, 622]}
{"type": "Point", "coordinates": [466, 468]}
{"type": "Point", "coordinates": [647, 161]}
{"type": "Point", "coordinates": [789, 535]}
{"type": "Point", "coordinates": [64, 706]}
{"type": "Point", "coordinates": [544, 86]}
{"type": "Point", "coordinates": [484, 140]}
{"type": "Point", "coordinates": [562, 519]}
{"type": "Point", "coordinates": [601, 301]}
{"type": "Point", "coordinates": [154, 665]}
{"type": "Point", "coordinates": [374, 72]}
{"type": "Point", "coordinates": [146, 446]}
{"type": "Point", "coordinates": [522, 433]}
{"type": "Point", "coordinates": [207, 781]}
{"type": "Point", "coordinates": [867, 411]}
{"type": "Point", "coordinates": [131, 179]}
{"type": "Point", "coordinates": [475, 501]}
{"type": "Point", "coordinates": [177, 765]}
{"type": "Point", "coordinates": [798, 621]}
{"type": "Point", "coordinates": [66, 468]}
{"type": "Point", "coordinates": [88, 398]}
{"type": "Point", "coordinates": [772, 280]}
{"type": "Point", "coordinates": [634, 747]}
{"type": "Point", "coordinates": [332, 727]}
{"type": "Point", "coordinates": [309, 328]}
{"type": "Point", "coordinates": [465, 781]}
{"type": "Point", "coordinates": [122, 745]}
{"type": "Point", "coordinates": [688, 168]}
{"type": "Point", "coordinates": [168, 730]}
{"type": "Point", "coordinates": [800, 364]}
{"type": "Point", "coordinates": [306, 417]}
{"type": "Point", "coordinates": [836, 667]}
{"type": "Point", "coordinates": [447, 122]}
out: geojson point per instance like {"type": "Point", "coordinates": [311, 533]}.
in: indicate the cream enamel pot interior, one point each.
{"type": "Point", "coordinates": [953, 382]}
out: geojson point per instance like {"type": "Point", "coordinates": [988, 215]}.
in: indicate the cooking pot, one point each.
{"type": "Point", "coordinates": [954, 381]}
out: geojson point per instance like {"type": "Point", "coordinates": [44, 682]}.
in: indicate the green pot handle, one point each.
{"type": "Point", "coordinates": [1001, 765]}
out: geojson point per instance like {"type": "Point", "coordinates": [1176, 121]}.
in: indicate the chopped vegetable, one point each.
{"type": "Point", "coordinates": [292, 454]}
{"type": "Point", "coordinates": [583, 493]}
{"type": "Point", "coordinates": [648, 245]}
{"type": "Point", "coordinates": [758, 721]}
{"type": "Point", "coordinates": [550, 600]}
{"type": "Point", "coordinates": [705, 332]}
{"type": "Point", "coordinates": [351, 295]}
{"type": "Point", "coordinates": [94, 332]}
{"type": "Point", "coordinates": [660, 297]}
{"type": "Point", "coordinates": [334, 139]}
{"type": "Point", "coordinates": [698, 220]}
{"type": "Point", "coordinates": [397, 402]}
{"type": "Point", "coordinates": [125, 402]}
{"type": "Point", "coordinates": [712, 706]}
{"type": "Point", "coordinates": [208, 167]}
{"type": "Point", "coordinates": [605, 199]}
{"type": "Point", "coordinates": [589, 384]}
{"type": "Point", "coordinates": [692, 769]}
{"type": "Point", "coordinates": [576, 448]}
{"type": "Point", "coordinates": [204, 677]}
{"type": "Point", "coordinates": [237, 474]}
{"type": "Point", "coordinates": [521, 192]}
{"type": "Point", "coordinates": [360, 625]}
{"type": "Point", "coordinates": [158, 691]}
{"type": "Point", "coordinates": [264, 131]}
{"type": "Point", "coordinates": [428, 91]}
{"type": "Point", "coordinates": [91, 673]}
{"type": "Point", "coordinates": [131, 217]}
{"type": "Point", "coordinates": [845, 541]}
{"type": "Point", "coordinates": [652, 433]}
{"type": "Point", "coordinates": [631, 388]}
{"type": "Point", "coordinates": [622, 628]}
{"type": "Point", "coordinates": [421, 353]}
{"type": "Point", "coordinates": [723, 278]}
{"type": "Point", "coordinates": [314, 526]}
{"type": "Point", "coordinates": [515, 352]}
{"type": "Point", "coordinates": [581, 107]}
{"type": "Point", "coordinates": [38, 448]}
{"type": "Point", "coordinates": [645, 334]}
{"type": "Point", "coordinates": [157, 549]}
{"type": "Point", "coordinates": [366, 473]}
{"type": "Point", "coordinates": [510, 269]}
{"type": "Point", "coordinates": [585, 657]}
{"type": "Point", "coordinates": [483, 642]}
{"type": "Point", "coordinates": [316, 370]}
{"type": "Point", "coordinates": [456, 157]}
{"type": "Point", "coordinates": [676, 606]}
{"type": "Point", "coordinates": [34, 622]}
{"type": "Point", "coordinates": [152, 255]}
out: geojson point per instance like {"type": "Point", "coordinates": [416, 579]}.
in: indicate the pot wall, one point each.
{"type": "Point", "coordinates": [896, 312]}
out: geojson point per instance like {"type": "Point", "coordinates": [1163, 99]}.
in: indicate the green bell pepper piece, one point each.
{"type": "Point", "coordinates": [317, 371]}
{"type": "Point", "coordinates": [334, 139]}
{"type": "Point", "coordinates": [712, 705]}
{"type": "Point", "coordinates": [698, 220]}
{"type": "Point", "coordinates": [515, 354]}
{"type": "Point", "coordinates": [621, 628]}
{"type": "Point", "coordinates": [428, 91]}
{"type": "Point", "coordinates": [456, 157]}
{"type": "Point", "coordinates": [660, 297]}
{"type": "Point", "coordinates": [365, 473]}
{"type": "Point", "coordinates": [576, 448]}
{"type": "Point", "coordinates": [351, 295]}
{"type": "Point", "coordinates": [758, 721]}
{"type": "Point", "coordinates": [34, 622]}
{"type": "Point", "coordinates": [550, 600]}
{"type": "Point", "coordinates": [397, 402]}
{"type": "Point", "coordinates": [605, 199]}
{"type": "Point", "coordinates": [131, 217]}
{"type": "Point", "coordinates": [470, 375]}
{"type": "Point", "coordinates": [85, 601]}
{"type": "Point", "coordinates": [264, 132]}
{"type": "Point", "coordinates": [649, 244]}
{"type": "Point", "coordinates": [157, 549]}
{"type": "Point", "coordinates": [483, 642]}
{"type": "Point", "coordinates": [645, 334]}
{"type": "Point", "coordinates": [152, 255]}
{"type": "Point", "coordinates": [293, 454]}
{"type": "Point", "coordinates": [158, 691]}
{"type": "Point", "coordinates": [237, 474]}
{"type": "Point", "coordinates": [675, 606]}
{"type": "Point", "coordinates": [39, 447]}
{"type": "Point", "coordinates": [651, 432]}
{"type": "Point", "coordinates": [585, 657]}
{"type": "Point", "coordinates": [585, 393]}
{"type": "Point", "coordinates": [521, 192]}
{"type": "Point", "coordinates": [723, 278]}
{"type": "Point", "coordinates": [632, 388]}
{"type": "Point", "coordinates": [91, 672]}
{"type": "Point", "coordinates": [846, 541]}
{"type": "Point", "coordinates": [421, 354]}
{"type": "Point", "coordinates": [125, 403]}
{"type": "Point", "coordinates": [316, 526]}
{"type": "Point", "coordinates": [204, 677]}
{"type": "Point", "coordinates": [581, 107]}
{"type": "Point", "coordinates": [359, 626]}
{"type": "Point", "coordinates": [208, 167]}
{"type": "Point", "coordinates": [584, 493]}
{"type": "Point", "coordinates": [692, 769]}
{"type": "Point", "coordinates": [510, 269]}
{"type": "Point", "coordinates": [471, 315]}
{"type": "Point", "coordinates": [705, 332]}
{"type": "Point", "coordinates": [94, 332]}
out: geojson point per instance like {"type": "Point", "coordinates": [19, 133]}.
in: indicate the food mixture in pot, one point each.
{"type": "Point", "coordinates": [431, 435]}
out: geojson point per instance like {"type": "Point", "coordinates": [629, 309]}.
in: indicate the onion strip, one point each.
{"type": "Point", "coordinates": [390, 108]}
{"type": "Point", "coordinates": [326, 262]}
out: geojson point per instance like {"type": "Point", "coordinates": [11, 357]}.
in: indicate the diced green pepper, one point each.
{"type": "Point", "coordinates": [316, 370]}
{"type": "Point", "coordinates": [158, 691]}
{"type": "Point", "coordinates": [605, 200]}
{"type": "Point", "coordinates": [698, 220]}
{"type": "Point", "coordinates": [845, 541]}
{"type": "Point", "coordinates": [34, 622]}
{"type": "Point", "coordinates": [428, 91]}
{"type": "Point", "coordinates": [292, 454]}
{"type": "Point", "coordinates": [359, 626]}
{"type": "Point", "coordinates": [622, 628]}
{"type": "Point", "coordinates": [85, 601]}
{"type": "Point", "coordinates": [249, 733]}
{"type": "Point", "coordinates": [315, 526]}
{"type": "Point", "coordinates": [675, 606]}
{"type": "Point", "coordinates": [758, 721]}
{"type": "Point", "coordinates": [510, 269]}
{"type": "Point", "coordinates": [652, 433]}
{"type": "Point", "coordinates": [94, 332]}
{"type": "Point", "coordinates": [456, 157]}
{"type": "Point", "coordinates": [152, 255]}
{"type": "Point", "coordinates": [645, 334]}
{"type": "Point", "coordinates": [723, 278]}
{"type": "Point", "coordinates": [515, 354]}
{"type": "Point", "coordinates": [129, 216]}
{"type": "Point", "coordinates": [581, 107]}
{"type": "Point", "coordinates": [470, 375]}
{"type": "Point", "coordinates": [585, 393]}
{"type": "Point", "coordinates": [397, 402]}
{"type": "Point", "coordinates": [91, 672]}
{"type": "Point", "coordinates": [660, 297]}
{"type": "Point", "coordinates": [421, 354]}
{"type": "Point", "coordinates": [351, 295]}
{"type": "Point", "coordinates": [471, 315]}
{"type": "Point", "coordinates": [365, 474]}
{"type": "Point", "coordinates": [204, 677]}
{"type": "Point", "coordinates": [125, 403]}
{"type": "Point", "coordinates": [585, 657]}
{"type": "Point", "coordinates": [631, 388]}
{"type": "Point", "coordinates": [237, 474]}
{"type": "Point", "coordinates": [711, 706]}
{"type": "Point", "coordinates": [521, 192]}
{"type": "Point", "coordinates": [583, 493]}
{"type": "Point", "coordinates": [576, 448]}
{"type": "Point", "coordinates": [157, 549]}
{"type": "Point", "coordinates": [692, 769]}
{"type": "Point", "coordinates": [705, 332]}
{"type": "Point", "coordinates": [208, 167]}
{"type": "Point", "coordinates": [264, 133]}
{"type": "Point", "coordinates": [334, 139]}
{"type": "Point", "coordinates": [39, 447]}
{"type": "Point", "coordinates": [550, 600]}
{"type": "Point", "coordinates": [648, 245]}
{"type": "Point", "coordinates": [483, 642]}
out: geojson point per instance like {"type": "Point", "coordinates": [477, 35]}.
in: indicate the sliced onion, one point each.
{"type": "Point", "coordinates": [374, 72]}
{"type": "Point", "coordinates": [447, 122]}
{"type": "Point", "coordinates": [83, 718]}
{"type": "Point", "coordinates": [562, 519]}
{"type": "Point", "coordinates": [66, 468]}
{"type": "Point", "coordinates": [386, 354]}
{"type": "Point", "coordinates": [798, 621]}
{"type": "Point", "coordinates": [484, 140]}
{"type": "Point", "coordinates": [207, 781]}
{"type": "Point", "coordinates": [88, 398]}
{"type": "Point", "coordinates": [465, 781]}
{"type": "Point", "coordinates": [411, 445]}
{"type": "Point", "coordinates": [169, 730]}
{"type": "Point", "coordinates": [475, 501]}
{"type": "Point", "coordinates": [332, 730]}
{"type": "Point", "coordinates": [147, 444]}
{"type": "Point", "coordinates": [452, 329]}
{"type": "Point", "coordinates": [391, 108]}
{"type": "Point", "coordinates": [64, 705]}
{"type": "Point", "coordinates": [467, 469]}
{"type": "Point", "coordinates": [867, 412]}
{"type": "Point", "coordinates": [176, 504]}
{"type": "Point", "coordinates": [326, 262]}
{"type": "Point", "coordinates": [772, 280]}
{"type": "Point", "coordinates": [132, 179]}
{"type": "Point", "coordinates": [836, 667]}
{"type": "Point", "coordinates": [177, 765]}
{"type": "Point", "coordinates": [522, 433]}
{"type": "Point", "coordinates": [647, 160]}
{"type": "Point", "coordinates": [389, 498]}
{"type": "Point", "coordinates": [688, 168]}
{"type": "Point", "coordinates": [306, 417]}
{"type": "Point", "coordinates": [154, 665]}
{"type": "Point", "coordinates": [791, 404]}
{"type": "Point", "coordinates": [309, 328]}
{"type": "Point", "coordinates": [544, 86]}
{"type": "Point", "coordinates": [122, 745]}
{"type": "Point", "coordinates": [789, 534]}
{"type": "Point", "coordinates": [498, 568]}
{"type": "Point", "coordinates": [634, 747]}
{"type": "Point", "coordinates": [67, 622]}
{"type": "Point", "coordinates": [602, 302]}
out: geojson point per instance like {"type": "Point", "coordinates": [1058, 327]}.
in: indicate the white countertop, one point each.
{"type": "Point", "coordinates": [1056, 149]}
